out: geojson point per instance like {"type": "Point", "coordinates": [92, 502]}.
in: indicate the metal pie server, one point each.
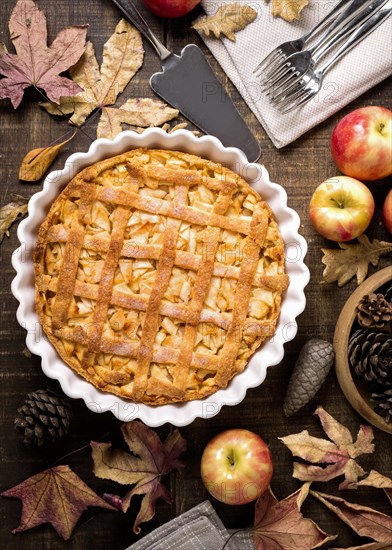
{"type": "Point", "coordinates": [189, 84]}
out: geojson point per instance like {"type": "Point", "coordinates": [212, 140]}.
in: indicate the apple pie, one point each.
{"type": "Point", "coordinates": [158, 274]}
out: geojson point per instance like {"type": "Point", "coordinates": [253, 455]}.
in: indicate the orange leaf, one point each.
{"type": "Point", "coordinates": [37, 161]}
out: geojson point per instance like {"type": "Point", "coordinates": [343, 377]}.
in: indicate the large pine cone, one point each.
{"type": "Point", "coordinates": [373, 311]}
{"type": "Point", "coordinates": [383, 397]}
{"type": "Point", "coordinates": [310, 371]}
{"type": "Point", "coordinates": [370, 355]}
{"type": "Point", "coordinates": [44, 417]}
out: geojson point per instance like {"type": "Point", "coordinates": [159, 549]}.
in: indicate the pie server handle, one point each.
{"type": "Point", "coordinates": [189, 84]}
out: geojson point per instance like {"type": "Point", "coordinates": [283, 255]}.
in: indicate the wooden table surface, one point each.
{"type": "Point", "coordinates": [300, 167]}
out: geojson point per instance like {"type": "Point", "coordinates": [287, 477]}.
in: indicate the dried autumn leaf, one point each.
{"type": "Point", "coordinates": [135, 112]}
{"type": "Point", "coordinates": [36, 64]}
{"type": "Point", "coordinates": [37, 161]}
{"type": "Point", "coordinates": [180, 126]}
{"type": "Point", "coordinates": [370, 546]}
{"type": "Point", "coordinates": [339, 453]}
{"type": "Point", "coordinates": [289, 10]}
{"type": "Point", "coordinates": [374, 479]}
{"type": "Point", "coordinates": [122, 57]}
{"type": "Point", "coordinates": [365, 521]}
{"type": "Point", "coordinates": [11, 212]}
{"type": "Point", "coordinates": [280, 525]}
{"type": "Point", "coordinates": [352, 259]}
{"type": "Point", "coordinates": [150, 460]}
{"type": "Point", "coordinates": [303, 493]}
{"type": "Point", "coordinates": [227, 20]}
{"type": "Point", "coordinates": [56, 496]}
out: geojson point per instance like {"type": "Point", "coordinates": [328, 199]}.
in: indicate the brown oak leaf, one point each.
{"type": "Point", "coordinates": [37, 161]}
{"type": "Point", "coordinates": [280, 525]}
{"type": "Point", "coordinates": [151, 459]}
{"type": "Point", "coordinates": [343, 264]}
{"type": "Point", "coordinates": [36, 64]}
{"type": "Point", "coordinates": [227, 20]}
{"type": "Point", "coordinates": [289, 10]}
{"type": "Point", "coordinates": [10, 212]}
{"type": "Point", "coordinates": [122, 57]}
{"type": "Point", "coordinates": [365, 521]}
{"type": "Point", "coordinates": [339, 454]}
{"type": "Point", "coordinates": [56, 496]}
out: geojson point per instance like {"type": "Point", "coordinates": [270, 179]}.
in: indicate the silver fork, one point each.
{"type": "Point", "coordinates": [312, 81]}
{"type": "Point", "coordinates": [305, 64]}
{"type": "Point", "coordinates": [283, 51]}
{"type": "Point", "coordinates": [297, 64]}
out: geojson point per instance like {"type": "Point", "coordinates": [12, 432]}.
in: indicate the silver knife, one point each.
{"type": "Point", "coordinates": [189, 84]}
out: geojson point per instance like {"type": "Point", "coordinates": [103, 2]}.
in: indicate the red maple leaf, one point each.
{"type": "Point", "coordinates": [56, 496]}
{"type": "Point", "coordinates": [36, 64]}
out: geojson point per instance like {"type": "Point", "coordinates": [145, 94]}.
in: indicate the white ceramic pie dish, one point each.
{"type": "Point", "coordinates": [271, 353]}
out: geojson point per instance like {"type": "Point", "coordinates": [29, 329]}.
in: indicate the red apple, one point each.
{"type": "Point", "coordinates": [361, 144]}
{"type": "Point", "coordinates": [236, 466]}
{"type": "Point", "coordinates": [170, 8]}
{"type": "Point", "coordinates": [387, 212]}
{"type": "Point", "coordinates": [341, 208]}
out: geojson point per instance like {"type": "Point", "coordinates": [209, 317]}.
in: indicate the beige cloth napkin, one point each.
{"type": "Point", "coordinates": [363, 67]}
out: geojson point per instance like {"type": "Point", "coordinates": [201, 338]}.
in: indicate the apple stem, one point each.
{"type": "Point", "coordinates": [382, 126]}
{"type": "Point", "coordinates": [340, 205]}
{"type": "Point", "coordinates": [230, 458]}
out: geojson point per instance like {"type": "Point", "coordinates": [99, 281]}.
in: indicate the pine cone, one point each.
{"type": "Point", "coordinates": [383, 398]}
{"type": "Point", "coordinates": [388, 295]}
{"type": "Point", "coordinates": [373, 311]}
{"type": "Point", "coordinates": [370, 355]}
{"type": "Point", "coordinates": [44, 417]}
{"type": "Point", "coordinates": [310, 371]}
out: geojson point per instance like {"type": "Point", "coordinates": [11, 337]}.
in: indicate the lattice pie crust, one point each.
{"type": "Point", "coordinates": [158, 274]}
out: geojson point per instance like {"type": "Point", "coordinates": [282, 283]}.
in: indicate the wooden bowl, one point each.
{"type": "Point", "coordinates": [356, 391]}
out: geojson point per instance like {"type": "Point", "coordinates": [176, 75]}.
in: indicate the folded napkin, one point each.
{"type": "Point", "coordinates": [198, 529]}
{"type": "Point", "coordinates": [363, 67]}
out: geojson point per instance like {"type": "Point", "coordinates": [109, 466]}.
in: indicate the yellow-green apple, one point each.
{"type": "Point", "coordinates": [236, 466]}
{"type": "Point", "coordinates": [341, 208]}
{"type": "Point", "coordinates": [387, 212]}
{"type": "Point", "coordinates": [361, 143]}
{"type": "Point", "coordinates": [170, 8]}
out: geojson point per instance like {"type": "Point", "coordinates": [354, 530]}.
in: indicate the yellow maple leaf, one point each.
{"type": "Point", "coordinates": [122, 57]}
{"type": "Point", "coordinates": [227, 20]}
{"type": "Point", "coordinates": [289, 10]}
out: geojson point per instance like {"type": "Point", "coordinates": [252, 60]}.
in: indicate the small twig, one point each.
{"type": "Point", "coordinates": [64, 114]}
{"type": "Point", "coordinates": [80, 448]}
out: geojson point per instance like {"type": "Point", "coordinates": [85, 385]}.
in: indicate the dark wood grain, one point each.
{"type": "Point", "coordinates": [299, 168]}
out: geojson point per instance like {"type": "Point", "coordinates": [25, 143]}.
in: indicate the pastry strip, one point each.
{"type": "Point", "coordinates": [184, 260]}
{"type": "Point", "coordinates": [234, 336]}
{"type": "Point", "coordinates": [199, 294]}
{"type": "Point", "coordinates": [69, 265]}
{"type": "Point", "coordinates": [162, 278]}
